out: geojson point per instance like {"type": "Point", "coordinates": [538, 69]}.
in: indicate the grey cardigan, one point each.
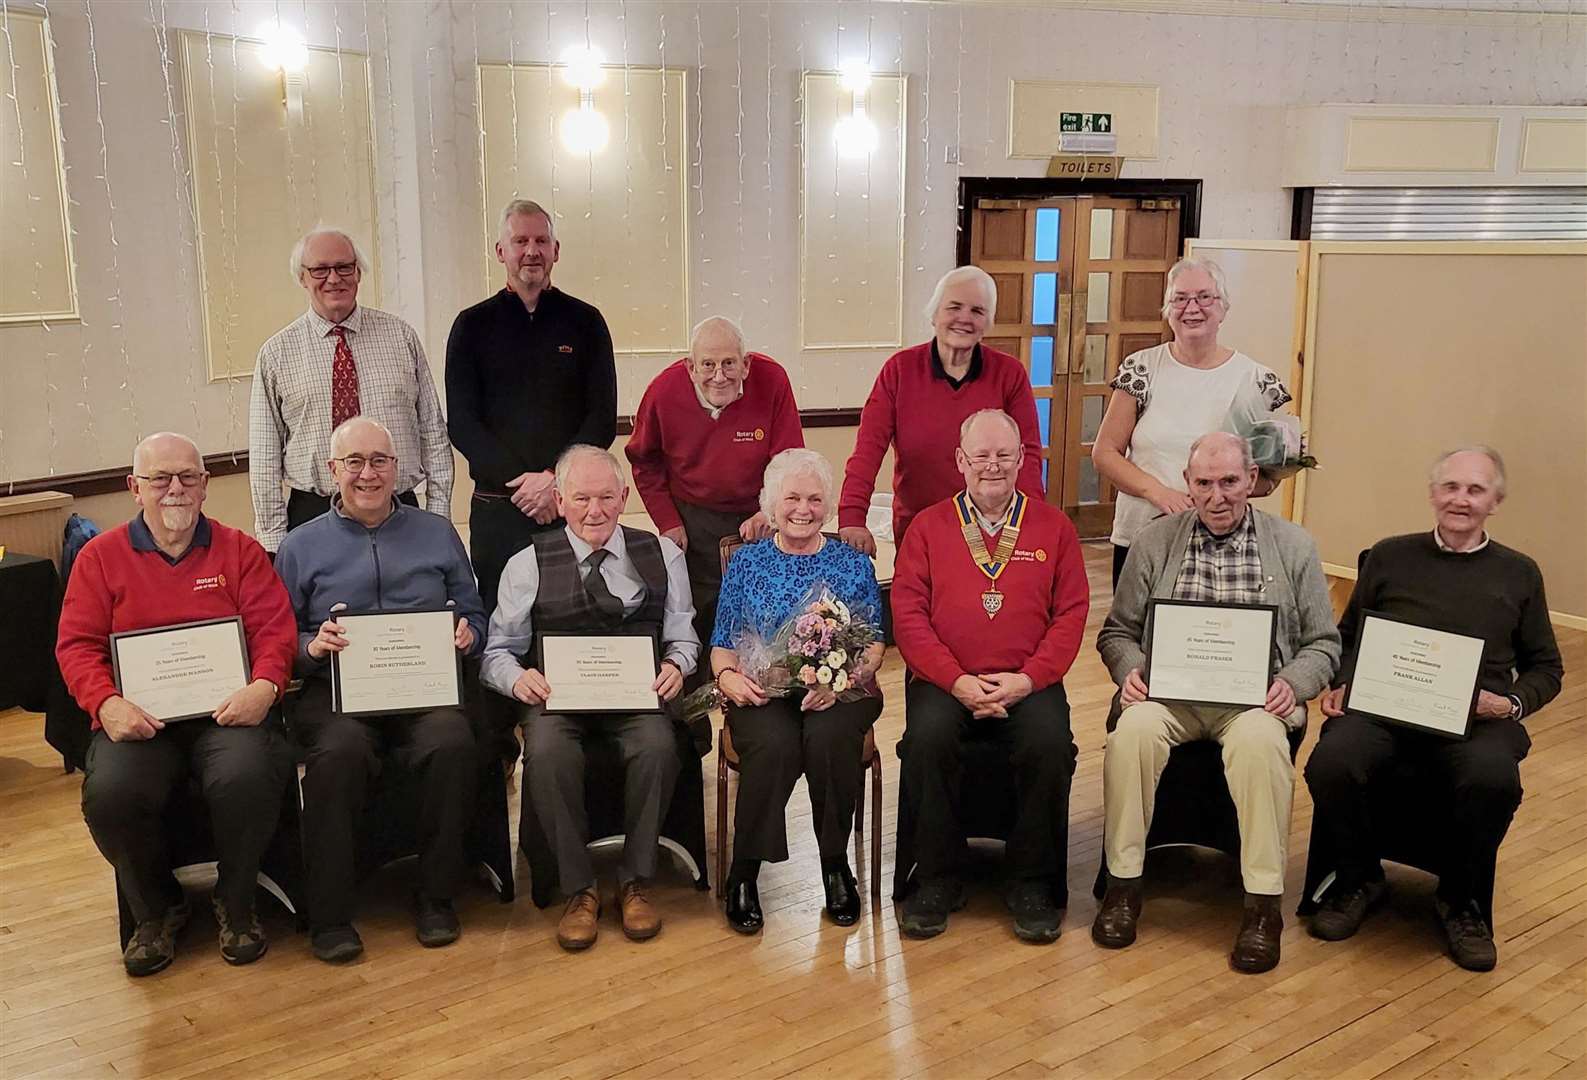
{"type": "Point", "coordinates": [1308, 640]}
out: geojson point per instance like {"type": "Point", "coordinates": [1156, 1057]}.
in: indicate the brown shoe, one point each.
{"type": "Point", "coordinates": [641, 920]}
{"type": "Point", "coordinates": [1256, 947]}
{"type": "Point", "coordinates": [577, 928]}
{"type": "Point", "coordinates": [1114, 926]}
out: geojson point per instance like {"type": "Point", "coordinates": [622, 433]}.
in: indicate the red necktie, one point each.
{"type": "Point", "coordinates": [344, 380]}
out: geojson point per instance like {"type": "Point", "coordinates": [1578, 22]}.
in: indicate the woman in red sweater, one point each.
{"type": "Point", "coordinates": [922, 395]}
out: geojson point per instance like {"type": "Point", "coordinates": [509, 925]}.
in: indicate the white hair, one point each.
{"type": "Point", "coordinates": [1214, 439]}
{"type": "Point", "coordinates": [295, 263]}
{"type": "Point", "coordinates": [796, 461]}
{"type": "Point", "coordinates": [1499, 480]}
{"type": "Point", "coordinates": [964, 273]}
{"type": "Point", "coordinates": [143, 444]}
{"type": "Point", "coordinates": [339, 436]}
{"type": "Point", "coordinates": [525, 206]}
{"type": "Point", "coordinates": [969, 422]}
{"type": "Point", "coordinates": [717, 322]}
{"type": "Point", "coordinates": [1195, 262]}
{"type": "Point", "coordinates": [573, 454]}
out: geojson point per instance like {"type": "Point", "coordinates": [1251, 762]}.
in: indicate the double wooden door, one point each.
{"type": "Point", "coordinates": [1079, 287]}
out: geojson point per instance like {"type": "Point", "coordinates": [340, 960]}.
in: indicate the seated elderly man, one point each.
{"type": "Point", "coordinates": [1457, 579]}
{"type": "Point", "coordinates": [595, 576]}
{"type": "Point", "coordinates": [167, 566]}
{"type": "Point", "coordinates": [989, 604]}
{"type": "Point", "coordinates": [1222, 551]}
{"type": "Point", "coordinates": [705, 431]}
{"type": "Point", "coordinates": [372, 551]}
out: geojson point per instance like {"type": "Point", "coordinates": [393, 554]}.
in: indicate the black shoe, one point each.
{"type": "Point", "coordinates": [242, 939]}
{"type": "Point", "coordinates": [336, 944]}
{"type": "Point", "coordinates": [843, 895]}
{"type": "Point", "coordinates": [1114, 926]}
{"type": "Point", "coordinates": [1256, 946]}
{"type": "Point", "coordinates": [1344, 910]}
{"type": "Point", "coordinates": [927, 908]}
{"type": "Point", "coordinates": [434, 922]}
{"type": "Point", "coordinates": [743, 906]}
{"type": "Point", "coordinates": [1470, 941]}
{"type": "Point", "coordinates": [1036, 916]}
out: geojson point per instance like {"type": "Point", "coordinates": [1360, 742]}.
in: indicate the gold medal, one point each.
{"type": "Point", "coordinates": [990, 563]}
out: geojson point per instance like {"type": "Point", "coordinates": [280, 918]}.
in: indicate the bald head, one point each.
{"type": "Point", "coordinates": [1222, 442]}
{"type": "Point", "coordinates": [166, 447]}
{"type": "Point", "coordinates": [366, 434]}
{"type": "Point", "coordinates": [169, 483]}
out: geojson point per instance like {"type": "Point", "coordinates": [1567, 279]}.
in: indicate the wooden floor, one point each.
{"type": "Point", "coordinates": [805, 997]}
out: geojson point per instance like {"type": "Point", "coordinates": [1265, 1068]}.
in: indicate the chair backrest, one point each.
{"type": "Point", "coordinates": [731, 544]}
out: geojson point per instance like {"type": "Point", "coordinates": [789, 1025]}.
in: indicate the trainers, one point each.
{"type": "Point", "coordinates": [1470, 941]}
{"type": "Point", "coordinates": [1036, 916]}
{"type": "Point", "coordinates": [1344, 910]}
{"type": "Point", "coordinates": [926, 910]}
{"type": "Point", "coordinates": [152, 946]}
{"type": "Point", "coordinates": [336, 944]}
{"type": "Point", "coordinates": [242, 941]}
{"type": "Point", "coordinates": [434, 922]}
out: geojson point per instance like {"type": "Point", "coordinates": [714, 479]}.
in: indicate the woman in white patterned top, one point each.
{"type": "Point", "coordinates": [1166, 397]}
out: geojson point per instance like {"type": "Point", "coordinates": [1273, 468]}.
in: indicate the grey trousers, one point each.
{"type": "Point", "coordinates": [554, 771]}
{"type": "Point", "coordinates": [242, 773]}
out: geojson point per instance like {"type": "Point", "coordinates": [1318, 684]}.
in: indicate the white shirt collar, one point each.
{"type": "Point", "coordinates": [322, 326]}
{"type": "Point", "coordinates": [988, 525]}
{"type": "Point", "coordinates": [706, 404]}
{"type": "Point", "coordinates": [582, 550]}
{"type": "Point", "coordinates": [1439, 540]}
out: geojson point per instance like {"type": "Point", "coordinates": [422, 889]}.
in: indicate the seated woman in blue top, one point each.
{"type": "Point", "coordinates": [811, 734]}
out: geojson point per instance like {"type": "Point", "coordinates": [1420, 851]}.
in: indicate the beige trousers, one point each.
{"type": "Point", "coordinates": [1256, 764]}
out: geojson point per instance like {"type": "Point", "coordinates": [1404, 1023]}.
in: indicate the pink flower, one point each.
{"type": "Point", "coordinates": [807, 675]}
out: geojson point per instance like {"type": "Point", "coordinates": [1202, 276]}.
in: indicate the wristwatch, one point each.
{"type": "Point", "coordinates": [1515, 707]}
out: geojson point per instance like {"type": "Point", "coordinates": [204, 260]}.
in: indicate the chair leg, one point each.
{"type": "Point", "coordinates": [876, 829]}
{"type": "Point", "coordinates": [721, 819]}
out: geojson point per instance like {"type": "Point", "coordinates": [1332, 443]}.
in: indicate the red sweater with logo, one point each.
{"type": "Point", "coordinates": [114, 587]}
{"type": "Point", "coordinates": [918, 413]}
{"type": "Point", "coordinates": [679, 452]}
{"type": "Point", "coordinates": [940, 624]}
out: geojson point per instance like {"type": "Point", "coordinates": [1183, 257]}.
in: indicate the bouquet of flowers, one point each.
{"type": "Point", "coordinates": [821, 646]}
{"type": "Point", "coordinates": [1278, 446]}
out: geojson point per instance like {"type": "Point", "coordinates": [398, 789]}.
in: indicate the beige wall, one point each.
{"type": "Point", "coordinates": [1480, 343]}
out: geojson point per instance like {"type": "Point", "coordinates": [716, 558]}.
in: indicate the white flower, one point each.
{"type": "Point", "coordinates": [836, 658]}
{"type": "Point", "coordinates": [824, 675]}
{"type": "Point", "coordinates": [842, 610]}
{"type": "Point", "coordinates": [840, 682]}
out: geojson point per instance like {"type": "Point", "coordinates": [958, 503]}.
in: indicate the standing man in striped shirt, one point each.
{"type": "Point", "coordinates": [338, 360]}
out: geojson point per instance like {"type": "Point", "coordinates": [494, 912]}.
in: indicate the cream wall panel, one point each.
{"type": "Point", "coordinates": [1034, 107]}
{"type": "Point", "coordinates": [1422, 144]}
{"type": "Point", "coordinates": [621, 212]}
{"type": "Point", "coordinates": [1390, 386]}
{"type": "Point", "coordinates": [1554, 145]}
{"type": "Point", "coordinates": [37, 277]}
{"type": "Point", "coordinates": [851, 267]}
{"type": "Point", "coordinates": [263, 176]}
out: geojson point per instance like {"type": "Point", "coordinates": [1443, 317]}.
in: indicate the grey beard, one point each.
{"type": "Point", "coordinates": [178, 518]}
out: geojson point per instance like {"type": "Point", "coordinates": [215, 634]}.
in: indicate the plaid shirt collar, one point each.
{"type": "Point", "coordinates": [1221, 569]}
{"type": "Point", "coordinates": [320, 326]}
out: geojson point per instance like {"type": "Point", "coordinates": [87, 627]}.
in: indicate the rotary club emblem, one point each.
{"type": "Point", "coordinates": [992, 601]}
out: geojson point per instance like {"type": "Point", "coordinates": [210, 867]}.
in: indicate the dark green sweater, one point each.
{"type": "Point", "coordinates": [1495, 594]}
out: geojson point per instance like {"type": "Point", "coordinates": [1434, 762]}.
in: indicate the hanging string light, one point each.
{"type": "Point", "coordinates": [391, 141]}
{"type": "Point", "coordinates": [512, 92]}
{"type": "Point", "coordinates": [698, 167]}
{"type": "Point", "coordinates": [628, 170]}
{"type": "Point", "coordinates": [738, 146]}
{"type": "Point", "coordinates": [925, 153]}
{"type": "Point", "coordinates": [771, 269]}
{"type": "Point", "coordinates": [229, 269]}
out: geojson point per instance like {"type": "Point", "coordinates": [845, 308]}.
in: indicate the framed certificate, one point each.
{"type": "Point", "coordinates": [397, 662]}
{"type": "Point", "coordinates": [1415, 675]}
{"type": "Point", "coordinates": [1200, 653]}
{"type": "Point", "coordinates": [600, 672]}
{"type": "Point", "coordinates": [181, 672]}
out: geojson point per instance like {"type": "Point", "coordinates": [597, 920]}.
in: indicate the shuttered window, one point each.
{"type": "Point", "coordinates": [1500, 213]}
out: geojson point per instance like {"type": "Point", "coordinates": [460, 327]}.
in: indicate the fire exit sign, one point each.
{"type": "Point", "coordinates": [1100, 122]}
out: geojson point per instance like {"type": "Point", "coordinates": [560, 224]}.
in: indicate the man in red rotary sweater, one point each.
{"type": "Point", "coordinates": [989, 604]}
{"type": "Point", "coordinates": [167, 566]}
{"type": "Point", "coordinates": [704, 433]}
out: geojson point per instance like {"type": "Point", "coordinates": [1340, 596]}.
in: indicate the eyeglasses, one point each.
{"type": "Point", "coordinates": [1180, 301]}
{"type": "Point", "coordinates": [162, 481]}
{"type": "Point", "coordinates": [730, 368]}
{"type": "Point", "coordinates": [354, 463]}
{"type": "Point", "coordinates": [982, 462]}
{"type": "Point", "coordinates": [343, 270]}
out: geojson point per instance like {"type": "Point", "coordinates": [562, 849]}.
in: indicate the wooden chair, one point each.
{"type": "Point", "coordinates": [727, 759]}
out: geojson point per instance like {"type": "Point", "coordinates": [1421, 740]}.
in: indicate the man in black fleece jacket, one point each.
{"type": "Point", "coordinates": [1456, 579]}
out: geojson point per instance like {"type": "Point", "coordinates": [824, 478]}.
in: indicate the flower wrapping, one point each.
{"type": "Point", "coordinates": [820, 646]}
{"type": "Point", "coordinates": [1278, 445]}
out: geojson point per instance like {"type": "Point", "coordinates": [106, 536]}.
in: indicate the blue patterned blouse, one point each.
{"type": "Point", "coordinates": [763, 585]}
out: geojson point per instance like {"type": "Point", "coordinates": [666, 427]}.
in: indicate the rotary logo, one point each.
{"type": "Point", "coordinates": [760, 434]}
{"type": "Point", "coordinates": [204, 583]}
{"type": "Point", "coordinates": [1041, 554]}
